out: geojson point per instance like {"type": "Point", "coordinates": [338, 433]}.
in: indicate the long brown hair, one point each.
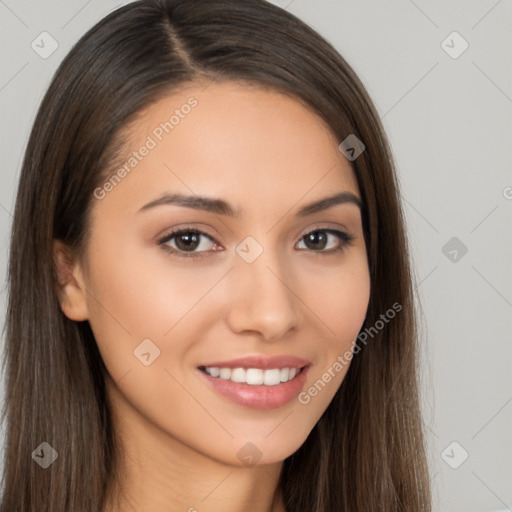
{"type": "Point", "coordinates": [366, 453]}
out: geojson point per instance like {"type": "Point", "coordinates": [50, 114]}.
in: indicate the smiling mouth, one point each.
{"type": "Point", "coordinates": [253, 376]}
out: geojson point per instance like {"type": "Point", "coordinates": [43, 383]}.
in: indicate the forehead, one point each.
{"type": "Point", "coordinates": [246, 143]}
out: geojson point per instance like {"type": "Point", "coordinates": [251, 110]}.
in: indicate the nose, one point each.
{"type": "Point", "coordinates": [261, 298]}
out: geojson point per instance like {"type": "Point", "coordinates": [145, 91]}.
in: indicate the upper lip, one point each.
{"type": "Point", "coordinates": [262, 362]}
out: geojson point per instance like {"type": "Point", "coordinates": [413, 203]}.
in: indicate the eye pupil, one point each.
{"type": "Point", "coordinates": [191, 241]}
{"type": "Point", "coordinates": [314, 237]}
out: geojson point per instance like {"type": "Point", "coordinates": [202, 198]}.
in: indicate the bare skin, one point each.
{"type": "Point", "coordinates": [268, 156]}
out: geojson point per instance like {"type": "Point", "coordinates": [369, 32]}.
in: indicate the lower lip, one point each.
{"type": "Point", "coordinates": [258, 397]}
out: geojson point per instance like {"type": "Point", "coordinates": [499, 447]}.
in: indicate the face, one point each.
{"type": "Point", "coordinates": [222, 322]}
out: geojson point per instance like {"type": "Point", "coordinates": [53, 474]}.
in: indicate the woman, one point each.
{"type": "Point", "coordinates": [210, 296]}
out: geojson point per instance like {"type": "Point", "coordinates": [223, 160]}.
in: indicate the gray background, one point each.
{"type": "Point", "coordinates": [449, 122]}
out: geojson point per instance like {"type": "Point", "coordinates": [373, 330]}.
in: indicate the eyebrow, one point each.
{"type": "Point", "coordinates": [221, 207]}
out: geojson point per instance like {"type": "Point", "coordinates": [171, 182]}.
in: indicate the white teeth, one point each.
{"type": "Point", "coordinates": [214, 371]}
{"type": "Point", "coordinates": [253, 376]}
{"type": "Point", "coordinates": [272, 377]}
{"type": "Point", "coordinates": [238, 375]}
{"type": "Point", "coordinates": [224, 373]}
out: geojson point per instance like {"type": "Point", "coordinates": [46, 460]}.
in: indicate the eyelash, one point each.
{"type": "Point", "coordinates": [344, 237]}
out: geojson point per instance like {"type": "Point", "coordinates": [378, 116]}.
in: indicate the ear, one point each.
{"type": "Point", "coordinates": [70, 287]}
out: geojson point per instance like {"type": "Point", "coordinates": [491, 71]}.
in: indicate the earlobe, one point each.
{"type": "Point", "coordinates": [70, 286]}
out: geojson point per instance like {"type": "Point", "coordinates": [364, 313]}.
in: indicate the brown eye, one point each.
{"type": "Point", "coordinates": [319, 239]}
{"type": "Point", "coordinates": [186, 241]}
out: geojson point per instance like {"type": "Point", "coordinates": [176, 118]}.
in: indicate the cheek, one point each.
{"type": "Point", "coordinates": [139, 294]}
{"type": "Point", "coordinates": [339, 299]}
{"type": "Point", "coordinates": [341, 305]}
{"type": "Point", "coordinates": [333, 363]}
{"type": "Point", "coordinates": [348, 305]}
